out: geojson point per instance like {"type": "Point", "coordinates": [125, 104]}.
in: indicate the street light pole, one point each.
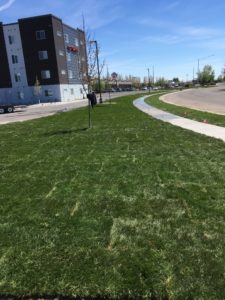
{"type": "Point", "coordinates": [99, 81]}
{"type": "Point", "coordinates": [198, 71]}
{"type": "Point", "coordinates": [153, 74]}
{"type": "Point", "coordinates": [148, 81]}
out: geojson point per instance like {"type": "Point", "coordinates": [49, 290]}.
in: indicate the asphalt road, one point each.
{"type": "Point", "coordinates": [36, 111]}
{"type": "Point", "coordinates": [210, 99]}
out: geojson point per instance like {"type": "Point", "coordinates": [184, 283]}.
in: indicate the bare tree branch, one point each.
{"type": "Point", "coordinates": [88, 71]}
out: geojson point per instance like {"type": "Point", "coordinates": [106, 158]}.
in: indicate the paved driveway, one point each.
{"type": "Point", "coordinates": [42, 110]}
{"type": "Point", "coordinates": [206, 99]}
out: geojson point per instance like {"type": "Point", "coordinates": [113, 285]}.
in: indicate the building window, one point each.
{"type": "Point", "coordinates": [63, 72]}
{"type": "Point", "coordinates": [11, 39]}
{"type": "Point", "coordinates": [45, 74]}
{"type": "Point", "coordinates": [48, 93]}
{"type": "Point", "coordinates": [40, 35]}
{"type": "Point", "coordinates": [72, 91]}
{"type": "Point", "coordinates": [14, 59]}
{"type": "Point", "coordinates": [68, 55]}
{"type": "Point", "coordinates": [70, 73]}
{"type": "Point", "coordinates": [17, 77]}
{"type": "Point", "coordinates": [81, 42]}
{"type": "Point", "coordinates": [66, 38]}
{"type": "Point", "coordinates": [61, 52]}
{"type": "Point", "coordinates": [59, 33]}
{"type": "Point", "coordinates": [43, 55]}
{"type": "Point", "coordinates": [76, 42]}
{"type": "Point", "coordinates": [20, 95]}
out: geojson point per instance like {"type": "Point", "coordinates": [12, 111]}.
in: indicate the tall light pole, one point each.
{"type": "Point", "coordinates": [202, 58]}
{"type": "Point", "coordinates": [148, 81]}
{"type": "Point", "coordinates": [99, 81]}
{"type": "Point", "coordinates": [153, 74]}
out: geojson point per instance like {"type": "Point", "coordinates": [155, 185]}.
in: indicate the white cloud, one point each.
{"type": "Point", "coordinates": [189, 35]}
{"type": "Point", "coordinates": [96, 14]}
{"type": "Point", "coordinates": [213, 45]}
{"type": "Point", "coordinates": [155, 22]}
{"type": "Point", "coordinates": [172, 5]}
{"type": "Point", "coordinates": [184, 32]}
{"type": "Point", "coordinates": [168, 39]}
{"type": "Point", "coordinates": [6, 5]}
{"type": "Point", "coordinates": [198, 32]}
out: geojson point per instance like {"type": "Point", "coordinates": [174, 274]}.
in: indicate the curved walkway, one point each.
{"type": "Point", "coordinates": [203, 128]}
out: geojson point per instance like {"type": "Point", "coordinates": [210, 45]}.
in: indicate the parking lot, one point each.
{"type": "Point", "coordinates": [210, 99]}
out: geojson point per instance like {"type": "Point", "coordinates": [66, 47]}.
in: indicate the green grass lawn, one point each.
{"type": "Point", "coordinates": [185, 112]}
{"type": "Point", "coordinates": [133, 207]}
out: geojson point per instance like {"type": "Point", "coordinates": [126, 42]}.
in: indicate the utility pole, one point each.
{"type": "Point", "coordinates": [148, 81]}
{"type": "Point", "coordinates": [87, 74]}
{"type": "Point", "coordinates": [153, 74]}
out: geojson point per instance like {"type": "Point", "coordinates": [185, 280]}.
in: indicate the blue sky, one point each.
{"type": "Point", "coordinates": [136, 35]}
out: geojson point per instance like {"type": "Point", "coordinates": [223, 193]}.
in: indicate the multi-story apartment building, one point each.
{"type": "Point", "coordinates": [41, 61]}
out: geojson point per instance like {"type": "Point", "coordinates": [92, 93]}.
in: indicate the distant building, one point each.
{"type": "Point", "coordinates": [41, 60]}
{"type": "Point", "coordinates": [120, 84]}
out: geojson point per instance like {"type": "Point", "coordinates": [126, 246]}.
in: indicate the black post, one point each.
{"type": "Point", "coordinates": [89, 113]}
{"type": "Point", "coordinates": [89, 108]}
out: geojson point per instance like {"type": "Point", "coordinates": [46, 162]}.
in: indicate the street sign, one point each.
{"type": "Point", "coordinates": [114, 75]}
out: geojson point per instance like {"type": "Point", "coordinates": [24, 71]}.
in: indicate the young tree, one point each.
{"type": "Point", "coordinates": [37, 89]}
{"type": "Point", "coordinates": [223, 73]}
{"type": "Point", "coordinates": [160, 82]}
{"type": "Point", "coordinates": [88, 71]}
{"type": "Point", "coordinates": [176, 80]}
{"type": "Point", "coordinates": [207, 75]}
{"type": "Point", "coordinates": [136, 82]}
{"type": "Point", "coordinates": [88, 66]}
{"type": "Point", "coordinates": [87, 63]}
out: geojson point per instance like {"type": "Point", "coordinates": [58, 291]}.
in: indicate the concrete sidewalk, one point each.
{"type": "Point", "coordinates": [203, 128]}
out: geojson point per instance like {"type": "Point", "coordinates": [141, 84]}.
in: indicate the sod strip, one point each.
{"type": "Point", "coordinates": [132, 207]}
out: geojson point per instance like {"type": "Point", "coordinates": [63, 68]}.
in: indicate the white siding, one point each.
{"type": "Point", "coordinates": [68, 95]}
{"type": "Point", "coordinates": [15, 48]}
